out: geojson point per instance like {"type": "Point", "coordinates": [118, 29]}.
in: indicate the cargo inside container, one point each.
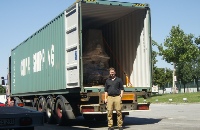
{"type": "Point", "coordinates": [126, 39]}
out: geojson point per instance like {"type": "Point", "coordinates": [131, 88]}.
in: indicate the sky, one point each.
{"type": "Point", "coordinates": [19, 19]}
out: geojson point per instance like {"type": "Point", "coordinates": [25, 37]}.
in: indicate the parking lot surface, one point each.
{"type": "Point", "coordinates": [160, 117]}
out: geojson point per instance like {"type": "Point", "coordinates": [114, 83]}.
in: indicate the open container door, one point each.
{"type": "Point", "coordinates": [72, 46]}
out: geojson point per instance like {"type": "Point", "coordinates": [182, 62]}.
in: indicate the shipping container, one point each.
{"type": "Point", "coordinates": [51, 59]}
{"type": "Point", "coordinates": [73, 52]}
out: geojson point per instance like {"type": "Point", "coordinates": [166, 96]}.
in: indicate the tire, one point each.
{"type": "Point", "coordinates": [16, 101]}
{"type": "Point", "coordinates": [63, 110]}
{"type": "Point", "coordinates": [88, 117]}
{"type": "Point", "coordinates": [102, 117]}
{"type": "Point", "coordinates": [61, 117]}
{"type": "Point", "coordinates": [50, 115]}
{"type": "Point", "coordinates": [59, 111]}
{"type": "Point", "coordinates": [41, 106]}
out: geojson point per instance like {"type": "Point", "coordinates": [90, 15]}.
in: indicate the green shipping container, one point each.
{"type": "Point", "coordinates": [38, 64]}
{"type": "Point", "coordinates": [51, 60]}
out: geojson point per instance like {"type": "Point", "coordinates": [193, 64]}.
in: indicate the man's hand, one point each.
{"type": "Point", "coordinates": [105, 100]}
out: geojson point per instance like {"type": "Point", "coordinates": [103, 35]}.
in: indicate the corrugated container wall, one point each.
{"type": "Point", "coordinates": [37, 63]}
{"type": "Point", "coordinates": [127, 34]}
{"type": "Point", "coordinates": [129, 40]}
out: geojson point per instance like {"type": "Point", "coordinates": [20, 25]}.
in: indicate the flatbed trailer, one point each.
{"type": "Point", "coordinates": [20, 118]}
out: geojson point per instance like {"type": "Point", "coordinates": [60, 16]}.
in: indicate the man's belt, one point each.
{"type": "Point", "coordinates": [114, 95]}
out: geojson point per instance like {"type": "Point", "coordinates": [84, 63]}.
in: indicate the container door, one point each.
{"type": "Point", "coordinates": [72, 47]}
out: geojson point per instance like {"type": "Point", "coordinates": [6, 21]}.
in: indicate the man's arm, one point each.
{"type": "Point", "coordinates": [106, 95]}
{"type": "Point", "coordinates": [106, 92]}
{"type": "Point", "coordinates": [121, 94]}
{"type": "Point", "coordinates": [122, 88]}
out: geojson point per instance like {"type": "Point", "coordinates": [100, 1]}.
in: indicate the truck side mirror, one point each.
{"type": "Point", "coordinates": [2, 81]}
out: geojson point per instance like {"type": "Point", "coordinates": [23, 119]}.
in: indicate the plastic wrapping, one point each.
{"type": "Point", "coordinates": [95, 59]}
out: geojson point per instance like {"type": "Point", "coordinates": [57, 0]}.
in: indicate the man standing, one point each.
{"type": "Point", "coordinates": [113, 93]}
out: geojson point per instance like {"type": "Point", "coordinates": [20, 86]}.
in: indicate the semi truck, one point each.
{"type": "Point", "coordinates": [61, 69]}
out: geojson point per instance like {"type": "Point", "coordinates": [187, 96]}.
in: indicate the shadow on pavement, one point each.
{"type": "Point", "coordinates": [139, 121]}
{"type": "Point", "coordinates": [83, 124]}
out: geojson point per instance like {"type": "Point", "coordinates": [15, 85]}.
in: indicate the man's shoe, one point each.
{"type": "Point", "coordinates": [110, 128]}
{"type": "Point", "coordinates": [120, 128]}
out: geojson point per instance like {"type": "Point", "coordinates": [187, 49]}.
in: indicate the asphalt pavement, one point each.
{"type": "Point", "coordinates": [159, 117]}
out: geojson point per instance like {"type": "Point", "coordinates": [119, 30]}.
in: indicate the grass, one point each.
{"type": "Point", "coordinates": [176, 98]}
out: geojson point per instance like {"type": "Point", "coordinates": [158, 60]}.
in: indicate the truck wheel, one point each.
{"type": "Point", "coordinates": [59, 110]}
{"type": "Point", "coordinates": [16, 101]}
{"type": "Point", "coordinates": [88, 117]}
{"type": "Point", "coordinates": [102, 117]}
{"type": "Point", "coordinates": [63, 111]}
{"type": "Point", "coordinates": [41, 106]}
{"type": "Point", "coordinates": [50, 116]}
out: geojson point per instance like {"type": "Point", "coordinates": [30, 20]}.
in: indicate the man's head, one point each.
{"type": "Point", "coordinates": [112, 72]}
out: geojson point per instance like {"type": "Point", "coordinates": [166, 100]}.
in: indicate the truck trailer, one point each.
{"type": "Point", "coordinates": [61, 69]}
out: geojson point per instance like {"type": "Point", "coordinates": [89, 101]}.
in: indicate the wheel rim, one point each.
{"type": "Point", "coordinates": [48, 110]}
{"type": "Point", "coordinates": [59, 111]}
{"type": "Point", "coordinates": [40, 107]}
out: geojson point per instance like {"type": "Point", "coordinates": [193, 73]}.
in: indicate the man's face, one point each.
{"type": "Point", "coordinates": [112, 73]}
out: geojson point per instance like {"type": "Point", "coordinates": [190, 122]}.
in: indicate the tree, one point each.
{"type": "Point", "coordinates": [179, 49]}
{"type": "Point", "coordinates": [168, 76]}
{"type": "Point", "coordinates": [162, 76]}
{"type": "Point", "coordinates": [2, 89]}
{"type": "Point", "coordinates": [197, 40]}
{"type": "Point", "coordinates": [159, 77]}
{"type": "Point", "coordinates": [154, 61]}
{"type": "Point", "coordinates": [154, 53]}
{"type": "Point", "coordinates": [184, 73]}
{"type": "Point", "coordinates": [196, 71]}
{"type": "Point", "coordinates": [196, 65]}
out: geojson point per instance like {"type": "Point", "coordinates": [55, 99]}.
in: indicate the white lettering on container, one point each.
{"type": "Point", "coordinates": [25, 66]}
{"type": "Point", "coordinates": [38, 60]}
{"type": "Point", "coordinates": [37, 64]}
{"type": "Point", "coordinates": [51, 56]}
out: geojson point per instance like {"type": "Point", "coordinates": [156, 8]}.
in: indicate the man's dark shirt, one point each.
{"type": "Point", "coordinates": [114, 87]}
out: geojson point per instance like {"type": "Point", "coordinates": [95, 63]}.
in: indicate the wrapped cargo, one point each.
{"type": "Point", "coordinates": [95, 59]}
